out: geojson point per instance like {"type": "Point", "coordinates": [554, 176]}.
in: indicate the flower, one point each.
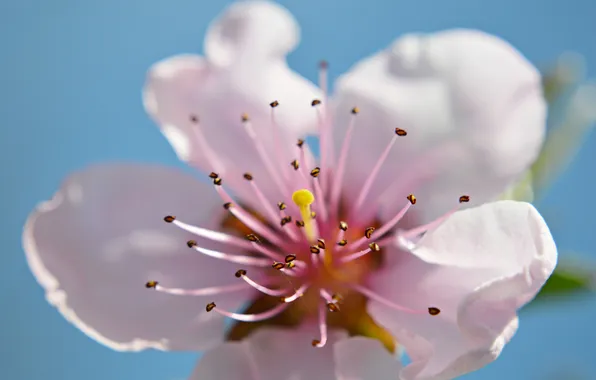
{"type": "Point", "coordinates": [373, 240]}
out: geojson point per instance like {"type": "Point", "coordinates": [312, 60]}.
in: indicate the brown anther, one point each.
{"type": "Point", "coordinates": [299, 223]}
{"type": "Point", "coordinates": [400, 132]}
{"type": "Point", "coordinates": [295, 164]}
{"type": "Point", "coordinates": [281, 205]}
{"type": "Point", "coordinates": [323, 64]}
{"type": "Point", "coordinates": [274, 104]}
{"type": "Point", "coordinates": [210, 306]}
{"type": "Point", "coordinates": [368, 232]}
{"type": "Point", "coordinates": [313, 214]}
{"type": "Point", "coordinates": [374, 247]}
{"type": "Point", "coordinates": [321, 243]}
{"type": "Point", "coordinates": [315, 342]}
{"type": "Point", "coordinates": [433, 311]}
{"type": "Point", "coordinates": [252, 237]}
{"type": "Point", "coordinates": [277, 265]}
{"type": "Point", "coordinates": [332, 307]}
{"type": "Point", "coordinates": [355, 110]}
{"type": "Point", "coordinates": [213, 175]}
{"type": "Point", "coordinates": [247, 176]}
{"type": "Point", "coordinates": [342, 242]}
{"type": "Point", "coordinates": [194, 118]}
{"type": "Point", "coordinates": [300, 143]}
{"type": "Point", "coordinates": [290, 265]}
{"type": "Point", "coordinates": [217, 181]}
{"type": "Point", "coordinates": [290, 258]}
{"type": "Point", "coordinates": [412, 199]}
{"type": "Point", "coordinates": [191, 243]}
{"type": "Point", "coordinates": [245, 117]}
{"type": "Point", "coordinates": [315, 172]}
{"type": "Point", "coordinates": [285, 220]}
{"type": "Point", "coordinates": [169, 218]}
{"type": "Point", "coordinates": [337, 298]}
{"type": "Point", "coordinates": [464, 199]}
{"type": "Point", "coordinates": [343, 226]}
{"type": "Point", "coordinates": [240, 272]}
{"type": "Point", "coordinates": [151, 284]}
{"type": "Point", "coordinates": [314, 249]}
{"type": "Point", "coordinates": [227, 205]}
{"type": "Point", "coordinates": [315, 102]}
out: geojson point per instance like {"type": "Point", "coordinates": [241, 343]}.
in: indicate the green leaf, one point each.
{"type": "Point", "coordinates": [566, 281]}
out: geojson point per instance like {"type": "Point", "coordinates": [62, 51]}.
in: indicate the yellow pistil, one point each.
{"type": "Point", "coordinates": [303, 199]}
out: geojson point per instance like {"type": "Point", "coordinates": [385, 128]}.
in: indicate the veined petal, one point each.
{"type": "Point", "coordinates": [199, 102]}
{"type": "Point", "coordinates": [478, 268]}
{"type": "Point", "coordinates": [472, 107]}
{"type": "Point", "coordinates": [95, 245]}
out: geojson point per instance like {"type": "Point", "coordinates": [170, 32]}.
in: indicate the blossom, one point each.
{"type": "Point", "coordinates": [391, 235]}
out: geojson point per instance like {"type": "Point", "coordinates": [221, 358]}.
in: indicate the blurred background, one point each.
{"type": "Point", "coordinates": [71, 74]}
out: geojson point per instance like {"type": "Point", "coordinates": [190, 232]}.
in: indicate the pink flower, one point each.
{"type": "Point", "coordinates": [453, 118]}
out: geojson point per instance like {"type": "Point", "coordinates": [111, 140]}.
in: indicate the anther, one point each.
{"type": "Point", "coordinates": [169, 218]}
{"type": "Point", "coordinates": [291, 265]}
{"type": "Point", "coordinates": [194, 118]}
{"type": "Point", "coordinates": [248, 176]}
{"type": "Point", "coordinates": [151, 284]}
{"type": "Point", "coordinates": [374, 247]}
{"type": "Point", "coordinates": [412, 199]}
{"type": "Point", "coordinates": [315, 102]}
{"type": "Point", "coordinates": [313, 214]}
{"type": "Point", "coordinates": [244, 117]}
{"type": "Point", "coordinates": [343, 226]}
{"type": "Point", "coordinates": [315, 342]}
{"type": "Point", "coordinates": [315, 172]}
{"type": "Point", "coordinates": [434, 311]}
{"type": "Point", "coordinates": [321, 243]}
{"type": "Point", "coordinates": [213, 175]}
{"type": "Point", "coordinates": [323, 64]}
{"type": "Point", "coordinates": [253, 238]}
{"type": "Point", "coordinates": [290, 258]}
{"type": "Point", "coordinates": [191, 243]}
{"type": "Point", "coordinates": [332, 307]}
{"type": "Point", "coordinates": [274, 104]}
{"type": "Point", "coordinates": [217, 181]}
{"type": "Point", "coordinates": [355, 110]}
{"type": "Point", "coordinates": [227, 205]}
{"type": "Point", "coordinates": [299, 223]}
{"type": "Point", "coordinates": [240, 272]}
{"type": "Point", "coordinates": [277, 265]}
{"type": "Point", "coordinates": [295, 164]}
{"type": "Point", "coordinates": [210, 306]}
{"type": "Point", "coordinates": [337, 298]}
{"type": "Point", "coordinates": [368, 232]}
{"type": "Point", "coordinates": [300, 143]}
{"type": "Point", "coordinates": [342, 242]}
{"type": "Point", "coordinates": [314, 249]}
{"type": "Point", "coordinates": [400, 132]}
{"type": "Point", "coordinates": [281, 206]}
{"type": "Point", "coordinates": [464, 199]}
{"type": "Point", "coordinates": [285, 220]}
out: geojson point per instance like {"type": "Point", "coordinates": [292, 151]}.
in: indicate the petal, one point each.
{"type": "Point", "coordinates": [243, 72]}
{"type": "Point", "coordinates": [479, 268]}
{"type": "Point", "coordinates": [472, 107]}
{"type": "Point", "coordinates": [270, 354]}
{"type": "Point", "coordinates": [362, 359]}
{"type": "Point", "coordinates": [102, 237]}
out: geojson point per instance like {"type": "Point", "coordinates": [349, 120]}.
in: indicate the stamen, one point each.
{"type": "Point", "coordinates": [374, 296]}
{"type": "Point", "coordinates": [343, 155]}
{"type": "Point", "coordinates": [332, 305]}
{"type": "Point", "coordinates": [197, 292]}
{"type": "Point", "coordinates": [282, 213]}
{"type": "Point", "coordinates": [219, 237]}
{"type": "Point", "coordinates": [322, 326]}
{"type": "Point", "coordinates": [262, 199]}
{"type": "Point", "coordinates": [319, 193]}
{"type": "Point", "coordinates": [210, 156]}
{"type": "Point", "coordinates": [238, 259]}
{"type": "Point", "coordinates": [264, 250]}
{"type": "Point", "coordinates": [279, 157]}
{"type": "Point", "coordinates": [414, 232]}
{"type": "Point", "coordinates": [248, 317]}
{"type": "Point", "coordinates": [372, 247]}
{"type": "Point", "coordinates": [263, 289]}
{"type": "Point", "coordinates": [376, 169]}
{"type": "Point", "coordinates": [303, 199]}
{"type": "Point", "coordinates": [299, 293]}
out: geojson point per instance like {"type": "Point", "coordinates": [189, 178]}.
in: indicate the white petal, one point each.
{"type": "Point", "coordinates": [472, 107]}
{"type": "Point", "coordinates": [478, 268]}
{"type": "Point", "coordinates": [270, 354]}
{"type": "Point", "coordinates": [243, 72]}
{"type": "Point", "coordinates": [102, 237]}
{"type": "Point", "coordinates": [364, 358]}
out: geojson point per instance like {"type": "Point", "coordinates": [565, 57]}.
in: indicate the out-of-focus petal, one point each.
{"type": "Point", "coordinates": [472, 107]}
{"type": "Point", "coordinates": [362, 359]}
{"type": "Point", "coordinates": [94, 246]}
{"type": "Point", "coordinates": [478, 268]}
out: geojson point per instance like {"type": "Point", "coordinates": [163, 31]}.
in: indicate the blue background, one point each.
{"type": "Point", "coordinates": [71, 72]}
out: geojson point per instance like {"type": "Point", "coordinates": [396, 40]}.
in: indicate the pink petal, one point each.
{"type": "Point", "coordinates": [102, 237]}
{"type": "Point", "coordinates": [243, 72]}
{"type": "Point", "coordinates": [472, 107]}
{"type": "Point", "coordinates": [363, 359]}
{"type": "Point", "coordinates": [478, 268]}
{"type": "Point", "coordinates": [270, 354]}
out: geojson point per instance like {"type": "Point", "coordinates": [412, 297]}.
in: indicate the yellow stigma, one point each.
{"type": "Point", "coordinates": [303, 199]}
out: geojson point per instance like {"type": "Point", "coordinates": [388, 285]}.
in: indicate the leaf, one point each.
{"type": "Point", "coordinates": [566, 281]}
